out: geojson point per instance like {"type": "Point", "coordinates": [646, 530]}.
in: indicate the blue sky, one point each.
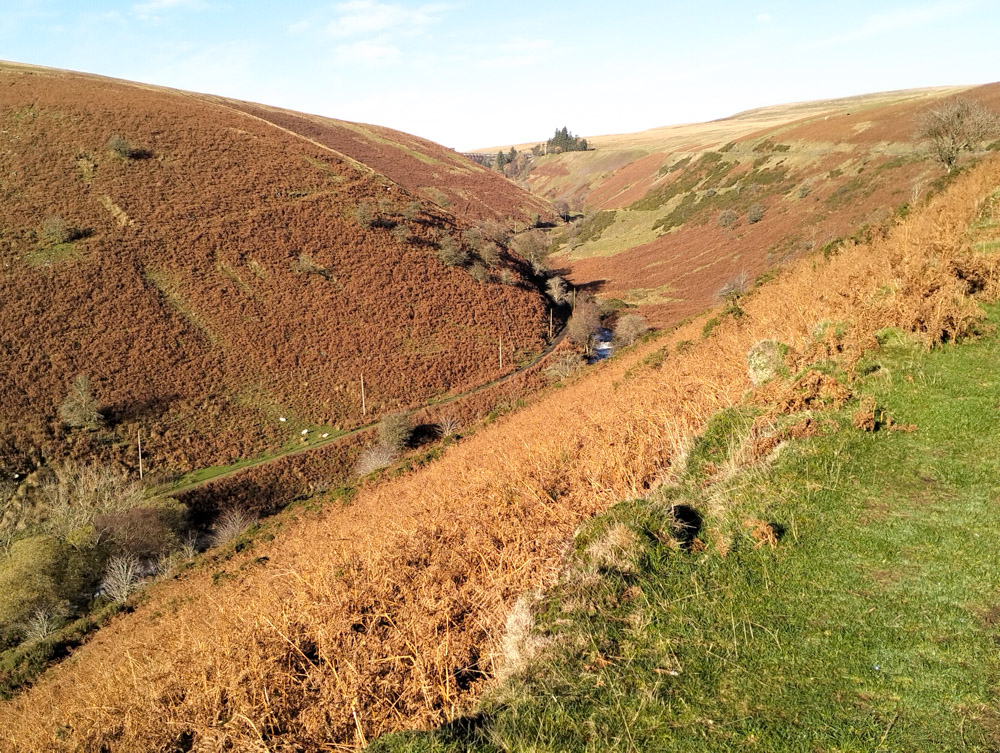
{"type": "Point", "coordinates": [470, 74]}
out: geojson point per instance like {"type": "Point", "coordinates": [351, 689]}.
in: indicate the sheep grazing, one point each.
{"type": "Point", "coordinates": [282, 419]}
{"type": "Point", "coordinates": [304, 432]}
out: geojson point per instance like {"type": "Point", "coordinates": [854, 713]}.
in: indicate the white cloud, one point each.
{"type": "Point", "coordinates": [147, 11]}
{"type": "Point", "coordinates": [517, 53]}
{"type": "Point", "coordinates": [904, 18]}
{"type": "Point", "coordinates": [377, 51]}
{"type": "Point", "coordinates": [358, 17]}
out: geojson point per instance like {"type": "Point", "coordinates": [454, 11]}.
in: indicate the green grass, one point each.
{"type": "Point", "coordinates": [871, 626]}
{"type": "Point", "coordinates": [52, 254]}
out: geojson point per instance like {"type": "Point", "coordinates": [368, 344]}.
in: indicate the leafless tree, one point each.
{"type": "Point", "coordinates": [629, 328]}
{"type": "Point", "coordinates": [79, 409]}
{"type": "Point", "coordinates": [121, 578]}
{"type": "Point", "coordinates": [957, 125]}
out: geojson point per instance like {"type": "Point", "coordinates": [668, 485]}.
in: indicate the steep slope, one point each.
{"type": "Point", "coordinates": [213, 271]}
{"type": "Point", "coordinates": [334, 631]}
{"type": "Point", "coordinates": [677, 213]}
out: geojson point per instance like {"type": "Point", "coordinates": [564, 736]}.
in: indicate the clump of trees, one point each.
{"type": "Point", "coordinates": [79, 532]}
{"type": "Point", "coordinates": [564, 141]}
{"type": "Point", "coordinates": [958, 125]}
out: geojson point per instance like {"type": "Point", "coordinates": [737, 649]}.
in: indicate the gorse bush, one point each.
{"type": "Point", "coordinates": [755, 213]}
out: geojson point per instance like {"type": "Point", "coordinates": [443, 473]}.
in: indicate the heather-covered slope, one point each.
{"type": "Point", "coordinates": [677, 213]}
{"type": "Point", "coordinates": [212, 271]}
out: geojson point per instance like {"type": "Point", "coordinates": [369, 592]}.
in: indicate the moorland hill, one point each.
{"type": "Point", "coordinates": [676, 216]}
{"type": "Point", "coordinates": [222, 275]}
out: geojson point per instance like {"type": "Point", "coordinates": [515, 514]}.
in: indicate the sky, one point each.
{"type": "Point", "coordinates": [472, 74]}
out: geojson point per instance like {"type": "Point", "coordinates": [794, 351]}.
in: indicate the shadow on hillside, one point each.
{"type": "Point", "coordinates": [133, 410]}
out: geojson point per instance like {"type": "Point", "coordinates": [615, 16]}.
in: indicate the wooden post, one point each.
{"type": "Point", "coordinates": [138, 434]}
{"type": "Point", "coordinates": [364, 408]}
{"type": "Point", "coordinates": [550, 323]}
{"type": "Point", "coordinates": [501, 352]}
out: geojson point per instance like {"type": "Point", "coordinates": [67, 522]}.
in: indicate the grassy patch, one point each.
{"type": "Point", "coordinates": [844, 598]}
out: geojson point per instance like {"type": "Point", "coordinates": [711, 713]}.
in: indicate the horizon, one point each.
{"type": "Point", "coordinates": [470, 77]}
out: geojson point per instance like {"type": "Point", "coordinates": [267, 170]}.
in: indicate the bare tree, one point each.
{"type": "Point", "coordinates": [231, 524]}
{"type": "Point", "coordinates": [121, 578]}
{"type": "Point", "coordinates": [958, 125]}
{"type": "Point", "coordinates": [629, 328]}
{"type": "Point", "coordinates": [79, 409]}
{"type": "Point", "coordinates": [556, 287]}
{"type": "Point", "coordinates": [584, 323]}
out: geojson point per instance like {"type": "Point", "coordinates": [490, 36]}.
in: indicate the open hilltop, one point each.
{"type": "Point", "coordinates": [221, 276]}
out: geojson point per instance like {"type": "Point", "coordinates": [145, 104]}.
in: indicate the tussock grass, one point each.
{"type": "Point", "coordinates": [388, 614]}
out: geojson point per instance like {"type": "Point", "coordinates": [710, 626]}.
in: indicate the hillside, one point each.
{"type": "Point", "coordinates": [676, 214]}
{"type": "Point", "coordinates": [226, 274]}
{"type": "Point", "coordinates": [325, 631]}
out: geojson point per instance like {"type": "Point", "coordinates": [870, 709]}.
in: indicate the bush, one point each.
{"type": "Point", "coordinates": [727, 218]}
{"type": "Point", "coordinates": [765, 361]}
{"type": "Point", "coordinates": [451, 253]}
{"type": "Point", "coordinates": [959, 125]}
{"type": "Point", "coordinates": [556, 288]}
{"type": "Point", "coordinates": [534, 249]}
{"type": "Point", "coordinates": [755, 213]}
{"type": "Point", "coordinates": [448, 426]}
{"type": "Point", "coordinates": [584, 323]}
{"type": "Point", "coordinates": [56, 230]}
{"type": "Point", "coordinates": [231, 524]}
{"type": "Point", "coordinates": [364, 214]}
{"type": "Point", "coordinates": [374, 459]}
{"type": "Point", "coordinates": [394, 431]}
{"type": "Point", "coordinates": [119, 146]}
{"type": "Point", "coordinates": [79, 409]}
{"type": "Point", "coordinates": [121, 578]}
{"type": "Point", "coordinates": [565, 366]}
{"type": "Point", "coordinates": [734, 286]}
{"type": "Point", "coordinates": [629, 329]}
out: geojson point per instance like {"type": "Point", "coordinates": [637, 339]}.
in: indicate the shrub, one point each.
{"type": "Point", "coordinates": [755, 213]}
{"type": "Point", "coordinates": [490, 254]}
{"type": "Point", "coordinates": [81, 493]}
{"type": "Point", "coordinates": [374, 459]}
{"type": "Point", "coordinates": [556, 288]}
{"type": "Point", "coordinates": [119, 146]}
{"type": "Point", "coordinates": [56, 230]}
{"type": "Point", "coordinates": [629, 329]}
{"type": "Point", "coordinates": [533, 248]}
{"type": "Point", "coordinates": [394, 431]}
{"type": "Point", "coordinates": [565, 366]}
{"type": "Point", "coordinates": [79, 409]}
{"type": "Point", "coordinates": [121, 578]}
{"type": "Point", "coordinates": [804, 190]}
{"type": "Point", "coordinates": [479, 272]}
{"type": "Point", "coordinates": [448, 426]}
{"type": "Point", "coordinates": [765, 361]}
{"type": "Point", "coordinates": [735, 285]}
{"type": "Point", "coordinates": [147, 531]}
{"type": "Point", "coordinates": [584, 323]}
{"type": "Point", "coordinates": [451, 253]}
{"type": "Point", "coordinates": [307, 265]}
{"type": "Point", "coordinates": [959, 125]}
{"type": "Point", "coordinates": [727, 218]}
{"type": "Point", "coordinates": [364, 214]}
{"type": "Point", "coordinates": [231, 524]}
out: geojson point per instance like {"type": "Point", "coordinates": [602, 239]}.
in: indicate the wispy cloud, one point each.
{"type": "Point", "coordinates": [517, 53]}
{"type": "Point", "coordinates": [904, 18]}
{"type": "Point", "coordinates": [361, 17]}
{"type": "Point", "coordinates": [378, 51]}
{"type": "Point", "coordinates": [149, 11]}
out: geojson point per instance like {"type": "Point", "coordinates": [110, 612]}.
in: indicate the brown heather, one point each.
{"type": "Point", "coordinates": [387, 614]}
